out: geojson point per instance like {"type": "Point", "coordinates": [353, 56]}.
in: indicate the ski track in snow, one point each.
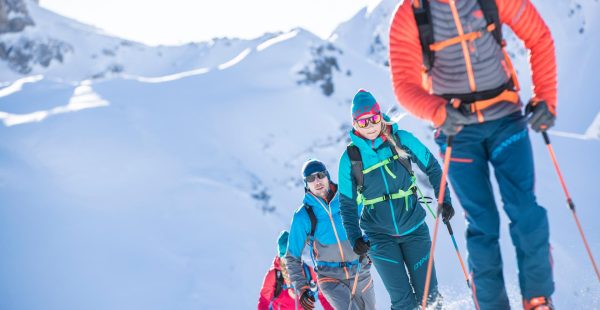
{"type": "Point", "coordinates": [166, 78]}
{"type": "Point", "coordinates": [17, 85]}
{"type": "Point", "coordinates": [83, 98]}
{"type": "Point", "coordinates": [278, 39]}
{"type": "Point", "coordinates": [235, 60]}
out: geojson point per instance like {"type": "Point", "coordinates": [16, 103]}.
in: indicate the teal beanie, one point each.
{"type": "Point", "coordinates": [364, 103]}
{"type": "Point", "coordinates": [282, 242]}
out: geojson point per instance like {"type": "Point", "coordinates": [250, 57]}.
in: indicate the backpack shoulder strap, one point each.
{"type": "Point", "coordinates": [356, 166]}
{"type": "Point", "coordinates": [425, 26]}
{"type": "Point", "coordinates": [278, 283]}
{"type": "Point", "coordinates": [307, 272]}
{"type": "Point", "coordinates": [313, 220]}
{"type": "Point", "coordinates": [490, 12]}
{"type": "Point", "coordinates": [404, 161]}
{"type": "Point", "coordinates": [422, 14]}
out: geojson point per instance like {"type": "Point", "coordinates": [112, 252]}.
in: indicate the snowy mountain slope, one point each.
{"type": "Point", "coordinates": [171, 191]}
{"type": "Point", "coordinates": [366, 33]}
{"type": "Point", "coordinates": [65, 49]}
{"type": "Point", "coordinates": [140, 180]}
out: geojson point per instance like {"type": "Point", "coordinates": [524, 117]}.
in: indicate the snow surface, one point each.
{"type": "Point", "coordinates": [165, 186]}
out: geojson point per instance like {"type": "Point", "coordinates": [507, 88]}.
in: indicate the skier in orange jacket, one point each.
{"type": "Point", "coordinates": [449, 66]}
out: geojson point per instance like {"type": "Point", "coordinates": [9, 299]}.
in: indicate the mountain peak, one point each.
{"type": "Point", "coordinates": [366, 33]}
{"type": "Point", "coordinates": [14, 16]}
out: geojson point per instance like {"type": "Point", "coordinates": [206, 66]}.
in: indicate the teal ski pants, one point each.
{"type": "Point", "coordinates": [393, 256]}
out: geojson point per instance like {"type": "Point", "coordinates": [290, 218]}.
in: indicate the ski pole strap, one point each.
{"type": "Point", "coordinates": [337, 264]}
{"type": "Point", "coordinates": [422, 199]}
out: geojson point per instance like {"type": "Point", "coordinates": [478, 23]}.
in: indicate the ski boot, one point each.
{"type": "Point", "coordinates": [538, 303]}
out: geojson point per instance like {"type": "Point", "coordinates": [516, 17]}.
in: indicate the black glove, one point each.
{"type": "Point", "coordinates": [541, 117]}
{"type": "Point", "coordinates": [361, 247]}
{"type": "Point", "coordinates": [447, 212]}
{"type": "Point", "coordinates": [455, 119]}
{"type": "Point", "coordinates": [307, 300]}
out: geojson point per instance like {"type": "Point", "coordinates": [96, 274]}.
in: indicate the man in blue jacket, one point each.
{"type": "Point", "coordinates": [343, 276]}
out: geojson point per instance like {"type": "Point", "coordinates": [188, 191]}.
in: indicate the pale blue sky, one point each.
{"type": "Point", "coordinates": [180, 21]}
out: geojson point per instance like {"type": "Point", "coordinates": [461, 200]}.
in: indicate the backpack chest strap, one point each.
{"type": "Point", "coordinates": [400, 194]}
{"type": "Point", "coordinates": [471, 36]}
{"type": "Point", "coordinates": [381, 163]}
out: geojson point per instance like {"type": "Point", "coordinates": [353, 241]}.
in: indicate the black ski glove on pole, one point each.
{"type": "Point", "coordinates": [541, 118]}
{"type": "Point", "coordinates": [307, 300]}
{"type": "Point", "coordinates": [361, 247]}
{"type": "Point", "coordinates": [455, 119]}
{"type": "Point", "coordinates": [447, 212]}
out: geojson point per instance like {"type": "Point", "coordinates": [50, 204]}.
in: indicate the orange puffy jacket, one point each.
{"type": "Point", "coordinates": [406, 59]}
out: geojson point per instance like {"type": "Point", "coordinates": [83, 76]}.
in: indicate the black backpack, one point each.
{"type": "Point", "coordinates": [313, 220]}
{"type": "Point", "coordinates": [425, 26]}
{"type": "Point", "coordinates": [279, 280]}
{"type": "Point", "coordinates": [278, 283]}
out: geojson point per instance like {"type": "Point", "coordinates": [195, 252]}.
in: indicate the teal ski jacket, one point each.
{"type": "Point", "coordinates": [396, 217]}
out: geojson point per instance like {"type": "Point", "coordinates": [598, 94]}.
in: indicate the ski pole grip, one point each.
{"type": "Point", "coordinates": [450, 140]}
{"type": "Point", "coordinates": [571, 204]}
{"type": "Point", "coordinates": [449, 228]}
{"type": "Point", "coordinates": [546, 138]}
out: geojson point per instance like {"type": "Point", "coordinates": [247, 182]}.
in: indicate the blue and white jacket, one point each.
{"type": "Point", "coordinates": [331, 249]}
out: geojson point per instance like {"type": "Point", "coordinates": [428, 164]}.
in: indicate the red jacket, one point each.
{"type": "Point", "coordinates": [286, 299]}
{"type": "Point", "coordinates": [406, 59]}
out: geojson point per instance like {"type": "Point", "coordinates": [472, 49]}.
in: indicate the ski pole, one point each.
{"type": "Point", "coordinates": [437, 219]}
{"type": "Point", "coordinates": [570, 201]}
{"type": "Point", "coordinates": [451, 232]}
{"type": "Point", "coordinates": [462, 264]}
{"type": "Point", "coordinates": [355, 281]}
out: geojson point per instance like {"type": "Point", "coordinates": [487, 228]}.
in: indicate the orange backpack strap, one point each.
{"type": "Point", "coordinates": [422, 12]}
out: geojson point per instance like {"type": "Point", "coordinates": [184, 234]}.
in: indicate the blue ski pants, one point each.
{"type": "Point", "coordinates": [505, 144]}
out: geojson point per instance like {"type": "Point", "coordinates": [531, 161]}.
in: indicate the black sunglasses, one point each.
{"type": "Point", "coordinates": [311, 178]}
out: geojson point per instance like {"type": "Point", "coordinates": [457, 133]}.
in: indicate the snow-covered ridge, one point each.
{"type": "Point", "coordinates": [307, 68]}
{"type": "Point", "coordinates": [61, 48]}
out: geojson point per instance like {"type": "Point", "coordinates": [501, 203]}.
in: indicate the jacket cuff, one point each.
{"type": "Point", "coordinates": [439, 117]}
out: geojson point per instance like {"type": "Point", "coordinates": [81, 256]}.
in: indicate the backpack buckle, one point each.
{"type": "Point", "coordinates": [466, 108]}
